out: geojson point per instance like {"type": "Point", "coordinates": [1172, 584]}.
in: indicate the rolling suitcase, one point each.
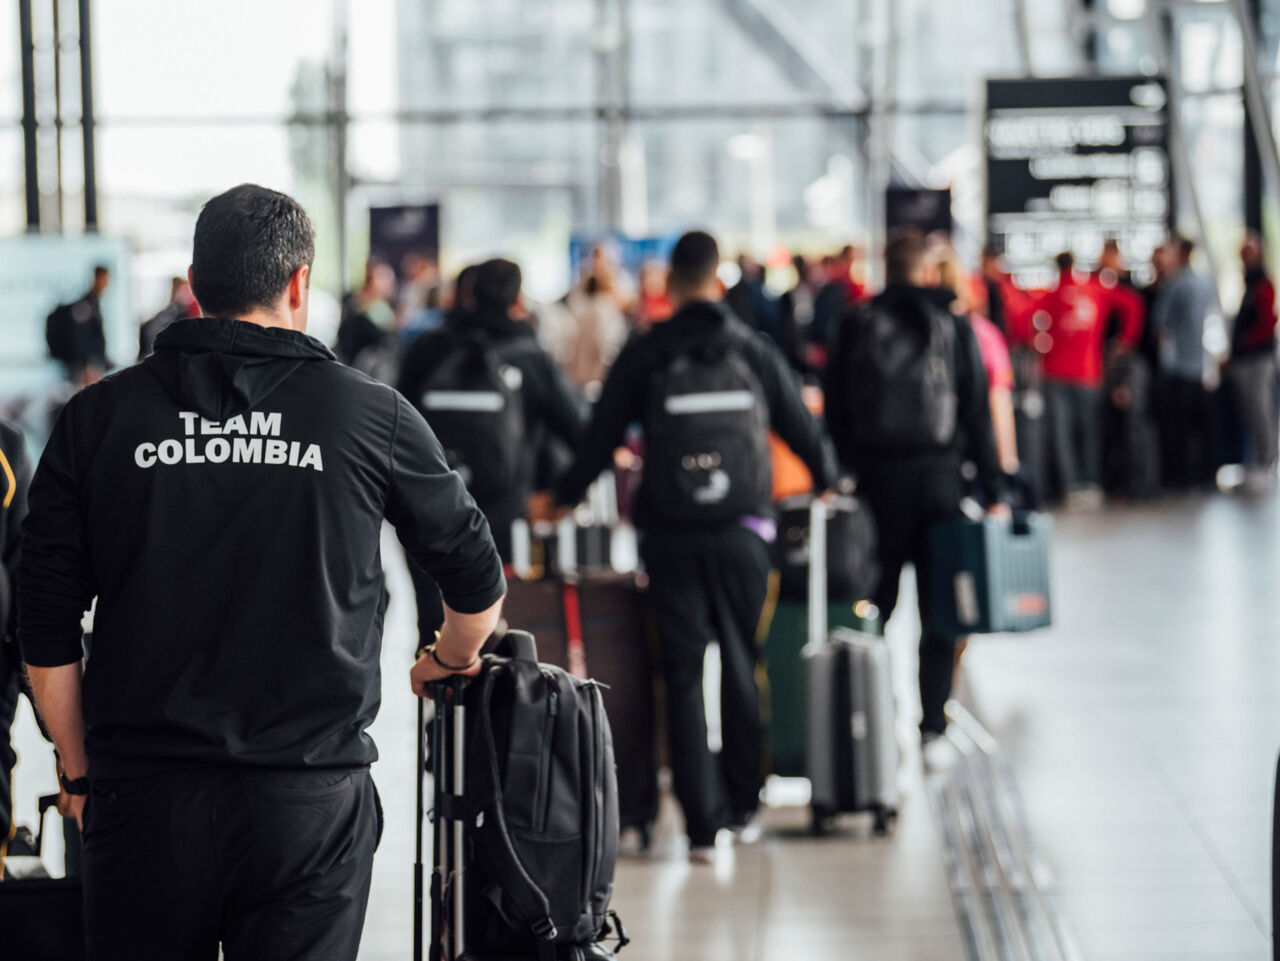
{"type": "Point", "coordinates": [524, 816]}
{"type": "Point", "coordinates": [991, 575]}
{"type": "Point", "coordinates": [850, 732]}
{"type": "Point", "coordinates": [596, 621]}
{"type": "Point", "coordinates": [41, 918]}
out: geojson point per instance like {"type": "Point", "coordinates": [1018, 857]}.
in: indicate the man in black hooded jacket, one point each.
{"type": "Point", "coordinates": [913, 486]}
{"type": "Point", "coordinates": [708, 567]}
{"type": "Point", "coordinates": [223, 501]}
{"type": "Point", "coordinates": [550, 409]}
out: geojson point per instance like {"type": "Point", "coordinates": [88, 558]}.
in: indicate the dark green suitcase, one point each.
{"type": "Point", "coordinates": [783, 685]}
{"type": "Point", "coordinates": [991, 576]}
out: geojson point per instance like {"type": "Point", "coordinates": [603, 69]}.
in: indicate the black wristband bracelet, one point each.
{"type": "Point", "coordinates": [451, 667]}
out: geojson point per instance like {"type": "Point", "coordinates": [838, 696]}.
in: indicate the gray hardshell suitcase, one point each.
{"type": "Point", "coordinates": [851, 734]}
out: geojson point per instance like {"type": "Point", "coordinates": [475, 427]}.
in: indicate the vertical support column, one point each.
{"type": "Point", "coordinates": [30, 154]}
{"type": "Point", "coordinates": [340, 119]}
{"type": "Point", "coordinates": [1161, 26]}
{"type": "Point", "coordinates": [1261, 163]}
{"type": "Point", "coordinates": [1090, 43]}
{"type": "Point", "coordinates": [610, 28]}
{"type": "Point", "coordinates": [87, 120]}
{"type": "Point", "coordinates": [57, 109]}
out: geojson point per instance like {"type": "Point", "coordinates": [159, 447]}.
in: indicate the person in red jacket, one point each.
{"type": "Point", "coordinates": [1253, 364]}
{"type": "Point", "coordinates": [1070, 328]}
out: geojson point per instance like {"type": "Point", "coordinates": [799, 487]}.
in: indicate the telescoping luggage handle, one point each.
{"type": "Point", "coordinates": [448, 770]}
{"type": "Point", "coordinates": [819, 512]}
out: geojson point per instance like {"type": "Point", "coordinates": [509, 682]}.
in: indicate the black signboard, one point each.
{"type": "Point", "coordinates": [1073, 162]}
{"type": "Point", "coordinates": [911, 208]}
{"type": "Point", "coordinates": [396, 232]}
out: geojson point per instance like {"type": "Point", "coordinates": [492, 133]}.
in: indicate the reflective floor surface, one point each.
{"type": "Point", "coordinates": [1142, 731]}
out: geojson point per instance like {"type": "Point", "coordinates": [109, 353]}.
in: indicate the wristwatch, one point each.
{"type": "Point", "coordinates": [79, 787]}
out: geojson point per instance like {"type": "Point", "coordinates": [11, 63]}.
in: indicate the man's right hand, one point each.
{"type": "Point", "coordinates": [72, 805]}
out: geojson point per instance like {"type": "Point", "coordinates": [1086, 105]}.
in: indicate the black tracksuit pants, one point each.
{"type": "Point", "coordinates": [271, 864]}
{"type": "Point", "coordinates": [10, 671]}
{"type": "Point", "coordinates": [908, 496]}
{"type": "Point", "coordinates": [709, 586]}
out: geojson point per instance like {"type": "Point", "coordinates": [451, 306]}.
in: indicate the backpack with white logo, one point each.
{"type": "Point", "coordinates": [471, 399]}
{"type": "Point", "coordinates": [706, 443]}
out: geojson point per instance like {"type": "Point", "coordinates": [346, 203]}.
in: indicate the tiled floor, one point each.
{"type": "Point", "coordinates": [1143, 730]}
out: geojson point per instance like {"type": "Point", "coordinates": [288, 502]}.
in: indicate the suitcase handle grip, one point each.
{"type": "Point", "coordinates": [818, 515]}
{"type": "Point", "coordinates": [519, 646]}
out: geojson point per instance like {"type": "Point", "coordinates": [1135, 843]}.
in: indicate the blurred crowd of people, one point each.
{"type": "Point", "coordinates": [1097, 386]}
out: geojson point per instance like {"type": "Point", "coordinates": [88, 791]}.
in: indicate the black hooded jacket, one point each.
{"type": "Point", "coordinates": [622, 403]}
{"type": "Point", "coordinates": [552, 408]}
{"type": "Point", "coordinates": [223, 501]}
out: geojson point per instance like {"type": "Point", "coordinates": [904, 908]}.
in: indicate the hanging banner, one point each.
{"type": "Point", "coordinates": [1071, 163]}
{"type": "Point", "coordinates": [918, 208]}
{"type": "Point", "coordinates": [398, 232]}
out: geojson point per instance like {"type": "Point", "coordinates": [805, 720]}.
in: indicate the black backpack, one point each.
{"type": "Point", "coordinates": [706, 435]}
{"type": "Point", "coordinates": [471, 399]}
{"type": "Point", "coordinates": [901, 379]}
{"type": "Point", "coordinates": [853, 557]}
{"type": "Point", "coordinates": [60, 333]}
{"type": "Point", "coordinates": [544, 834]}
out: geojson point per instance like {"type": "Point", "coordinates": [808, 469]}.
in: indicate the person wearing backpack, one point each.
{"type": "Point", "coordinates": [76, 335]}
{"type": "Point", "coordinates": [906, 404]}
{"type": "Point", "coordinates": [705, 390]}
{"type": "Point", "coordinates": [492, 395]}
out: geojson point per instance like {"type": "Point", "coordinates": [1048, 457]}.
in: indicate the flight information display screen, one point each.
{"type": "Point", "coordinates": [1071, 163]}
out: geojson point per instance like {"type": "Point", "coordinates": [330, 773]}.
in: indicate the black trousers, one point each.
{"type": "Point", "coordinates": [908, 496]}
{"type": "Point", "coordinates": [1186, 432]}
{"type": "Point", "coordinates": [10, 672]}
{"type": "Point", "coordinates": [704, 587]}
{"type": "Point", "coordinates": [271, 864]}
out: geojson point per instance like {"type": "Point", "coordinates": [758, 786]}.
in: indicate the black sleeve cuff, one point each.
{"type": "Point", "coordinates": [52, 651]}
{"type": "Point", "coordinates": [474, 602]}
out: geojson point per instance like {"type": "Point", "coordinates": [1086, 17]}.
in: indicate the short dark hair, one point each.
{"type": "Point", "coordinates": [249, 241]}
{"type": "Point", "coordinates": [903, 255]}
{"type": "Point", "coordinates": [694, 260]}
{"type": "Point", "coordinates": [101, 269]}
{"type": "Point", "coordinates": [1065, 260]}
{"type": "Point", "coordinates": [1186, 246]}
{"type": "Point", "coordinates": [496, 284]}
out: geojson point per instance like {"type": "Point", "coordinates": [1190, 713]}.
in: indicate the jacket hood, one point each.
{"type": "Point", "coordinates": [494, 324]}
{"type": "Point", "coordinates": [220, 368]}
{"type": "Point", "coordinates": [911, 302]}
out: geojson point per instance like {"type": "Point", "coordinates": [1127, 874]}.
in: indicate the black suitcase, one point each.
{"type": "Point", "coordinates": [598, 622]}
{"type": "Point", "coordinates": [41, 918]}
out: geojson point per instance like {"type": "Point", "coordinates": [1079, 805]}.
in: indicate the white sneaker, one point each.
{"type": "Point", "coordinates": [751, 832]}
{"type": "Point", "coordinates": [1084, 499]}
{"type": "Point", "coordinates": [938, 753]}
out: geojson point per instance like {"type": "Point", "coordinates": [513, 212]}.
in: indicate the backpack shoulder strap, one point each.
{"type": "Point", "coordinates": [527, 902]}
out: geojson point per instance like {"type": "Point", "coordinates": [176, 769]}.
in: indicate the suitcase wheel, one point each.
{"type": "Point", "coordinates": [820, 821]}
{"type": "Point", "coordinates": [885, 819]}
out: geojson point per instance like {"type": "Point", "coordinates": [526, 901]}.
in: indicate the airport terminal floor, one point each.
{"type": "Point", "coordinates": [1136, 736]}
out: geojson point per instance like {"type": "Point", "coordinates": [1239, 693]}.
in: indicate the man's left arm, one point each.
{"type": "Point", "coordinates": [789, 417]}
{"type": "Point", "coordinates": [55, 588]}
